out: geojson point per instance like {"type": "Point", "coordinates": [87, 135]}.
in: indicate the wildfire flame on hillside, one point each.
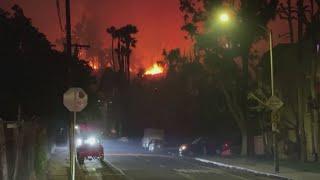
{"type": "Point", "coordinates": [93, 61]}
{"type": "Point", "coordinates": [154, 70]}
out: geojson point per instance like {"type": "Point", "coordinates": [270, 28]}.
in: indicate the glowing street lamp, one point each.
{"type": "Point", "coordinates": [224, 17]}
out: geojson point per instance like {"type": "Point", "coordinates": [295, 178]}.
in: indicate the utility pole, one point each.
{"type": "Point", "coordinates": [69, 56]}
{"type": "Point", "coordinates": [68, 29]}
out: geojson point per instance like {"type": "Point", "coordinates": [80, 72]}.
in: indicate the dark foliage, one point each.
{"type": "Point", "coordinates": [32, 74]}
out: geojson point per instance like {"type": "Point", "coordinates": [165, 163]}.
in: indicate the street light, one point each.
{"type": "Point", "coordinates": [225, 17]}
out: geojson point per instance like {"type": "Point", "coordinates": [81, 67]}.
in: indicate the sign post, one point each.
{"type": "Point", "coordinates": [274, 103]}
{"type": "Point", "coordinates": [75, 100]}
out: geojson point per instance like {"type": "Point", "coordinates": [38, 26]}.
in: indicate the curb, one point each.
{"type": "Point", "coordinates": [242, 169]}
{"type": "Point", "coordinates": [81, 174]}
{"type": "Point", "coordinates": [115, 169]}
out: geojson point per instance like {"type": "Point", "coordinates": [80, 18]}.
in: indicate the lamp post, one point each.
{"type": "Point", "coordinates": [273, 121]}
{"type": "Point", "coordinates": [225, 18]}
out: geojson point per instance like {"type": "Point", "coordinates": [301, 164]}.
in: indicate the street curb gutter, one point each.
{"type": "Point", "coordinates": [238, 168]}
{"type": "Point", "coordinates": [79, 172]}
{"type": "Point", "coordinates": [115, 169]}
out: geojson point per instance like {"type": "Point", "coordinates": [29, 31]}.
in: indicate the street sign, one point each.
{"type": "Point", "coordinates": [12, 125]}
{"type": "Point", "coordinates": [275, 119]}
{"type": "Point", "coordinates": [274, 103]}
{"type": "Point", "coordinates": [75, 99]}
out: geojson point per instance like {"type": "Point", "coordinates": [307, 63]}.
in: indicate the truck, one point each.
{"type": "Point", "coordinates": [150, 135]}
{"type": "Point", "coordinates": [88, 143]}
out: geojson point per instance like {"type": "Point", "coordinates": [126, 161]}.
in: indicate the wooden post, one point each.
{"type": "Point", "coordinates": [18, 133]}
{"type": "Point", "coordinates": [3, 152]}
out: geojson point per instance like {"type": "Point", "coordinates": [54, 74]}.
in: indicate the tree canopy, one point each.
{"type": "Point", "coordinates": [33, 74]}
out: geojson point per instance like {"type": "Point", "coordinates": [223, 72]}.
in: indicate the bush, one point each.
{"type": "Point", "coordinates": [41, 149]}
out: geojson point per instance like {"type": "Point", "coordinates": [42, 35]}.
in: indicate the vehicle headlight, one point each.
{"type": "Point", "coordinates": [183, 147]}
{"type": "Point", "coordinates": [78, 142]}
{"type": "Point", "coordinates": [91, 141]}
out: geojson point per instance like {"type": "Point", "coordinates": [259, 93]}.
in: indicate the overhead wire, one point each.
{"type": "Point", "coordinates": [59, 15]}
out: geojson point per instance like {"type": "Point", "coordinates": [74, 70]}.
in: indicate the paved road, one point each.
{"type": "Point", "coordinates": [135, 163]}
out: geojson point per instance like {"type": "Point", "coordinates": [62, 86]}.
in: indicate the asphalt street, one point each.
{"type": "Point", "coordinates": [135, 163]}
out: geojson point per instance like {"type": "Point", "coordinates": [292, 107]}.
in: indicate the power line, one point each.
{"type": "Point", "coordinates": [59, 15]}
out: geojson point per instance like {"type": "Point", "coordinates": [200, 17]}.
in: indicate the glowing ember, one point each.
{"type": "Point", "coordinates": [155, 69]}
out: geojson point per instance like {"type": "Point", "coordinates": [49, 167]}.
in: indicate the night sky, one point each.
{"type": "Point", "coordinates": [158, 21]}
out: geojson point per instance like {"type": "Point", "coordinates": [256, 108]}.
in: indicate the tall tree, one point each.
{"type": "Point", "coordinates": [251, 18]}
{"type": "Point", "coordinates": [288, 12]}
{"type": "Point", "coordinates": [112, 31]}
{"type": "Point", "coordinates": [129, 42]}
{"type": "Point", "coordinates": [29, 65]}
{"type": "Point", "coordinates": [125, 42]}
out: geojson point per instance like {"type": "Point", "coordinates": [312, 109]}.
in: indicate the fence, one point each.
{"type": "Point", "coordinates": [24, 150]}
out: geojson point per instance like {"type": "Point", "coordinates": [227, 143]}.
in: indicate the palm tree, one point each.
{"type": "Point", "coordinates": [111, 30]}
{"type": "Point", "coordinates": [129, 42]}
{"type": "Point", "coordinates": [125, 43]}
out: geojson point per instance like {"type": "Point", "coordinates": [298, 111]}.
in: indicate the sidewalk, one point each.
{"type": "Point", "coordinates": [58, 164]}
{"type": "Point", "coordinates": [289, 169]}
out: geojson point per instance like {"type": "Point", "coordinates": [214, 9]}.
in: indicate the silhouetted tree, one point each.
{"type": "Point", "coordinates": [32, 74]}
{"type": "Point", "coordinates": [125, 43]}
{"type": "Point", "coordinates": [111, 31]}
{"type": "Point", "coordinates": [249, 17]}
{"type": "Point", "coordinates": [129, 42]}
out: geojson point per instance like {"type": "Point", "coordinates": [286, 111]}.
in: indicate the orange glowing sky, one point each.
{"type": "Point", "coordinates": [158, 21]}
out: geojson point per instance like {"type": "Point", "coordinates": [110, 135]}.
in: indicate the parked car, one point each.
{"type": "Point", "coordinates": [151, 134]}
{"type": "Point", "coordinates": [205, 146]}
{"type": "Point", "coordinates": [155, 145]}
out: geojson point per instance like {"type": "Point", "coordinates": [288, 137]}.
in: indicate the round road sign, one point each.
{"type": "Point", "coordinates": [75, 99]}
